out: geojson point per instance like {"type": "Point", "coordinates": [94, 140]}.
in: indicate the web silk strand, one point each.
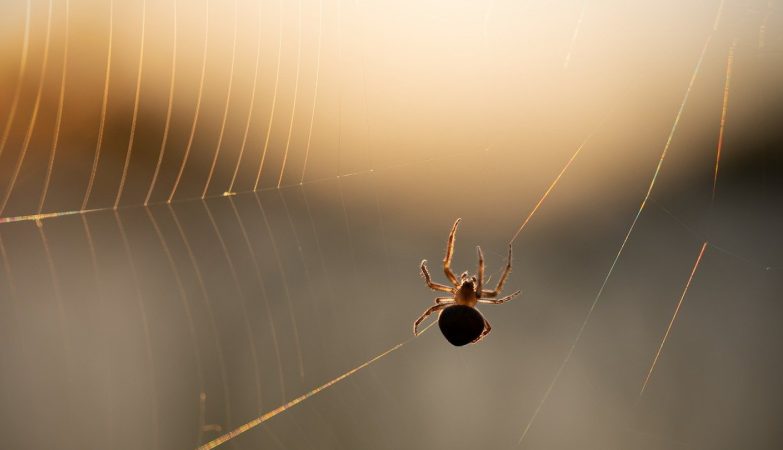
{"type": "Point", "coordinates": [296, 95]}
{"type": "Point", "coordinates": [315, 88]}
{"type": "Point", "coordinates": [724, 109]}
{"type": "Point", "coordinates": [169, 109]}
{"type": "Point", "coordinates": [228, 102]}
{"type": "Point", "coordinates": [674, 317]}
{"type": "Point", "coordinates": [104, 107]}
{"type": "Point", "coordinates": [263, 418]}
{"type": "Point", "coordinates": [549, 189]}
{"type": "Point", "coordinates": [251, 108]}
{"type": "Point", "coordinates": [135, 118]}
{"type": "Point", "coordinates": [197, 113]}
{"type": "Point", "coordinates": [274, 100]}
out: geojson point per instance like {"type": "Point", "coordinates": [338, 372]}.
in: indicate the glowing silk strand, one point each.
{"type": "Point", "coordinates": [674, 317]}
{"type": "Point", "coordinates": [251, 107]}
{"type": "Point", "coordinates": [575, 35]}
{"type": "Point", "coordinates": [38, 217]}
{"type": "Point", "coordinates": [274, 101]}
{"type": "Point", "coordinates": [60, 104]}
{"type": "Point", "coordinates": [729, 63]}
{"type": "Point", "coordinates": [169, 109]}
{"type": "Point", "coordinates": [197, 112]}
{"type": "Point", "coordinates": [315, 87]}
{"type": "Point", "coordinates": [549, 189]}
{"type": "Point", "coordinates": [104, 107]}
{"type": "Point", "coordinates": [136, 98]}
{"type": "Point", "coordinates": [296, 95]}
{"type": "Point", "coordinates": [228, 102]}
{"type": "Point", "coordinates": [263, 418]}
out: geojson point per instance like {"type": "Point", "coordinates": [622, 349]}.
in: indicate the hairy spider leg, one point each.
{"type": "Point", "coordinates": [449, 254]}
{"type": "Point", "coordinates": [428, 279]}
{"type": "Point", "coordinates": [500, 300]}
{"type": "Point", "coordinates": [501, 281]}
{"type": "Point", "coordinates": [426, 314]}
{"type": "Point", "coordinates": [480, 272]}
{"type": "Point", "coordinates": [444, 300]}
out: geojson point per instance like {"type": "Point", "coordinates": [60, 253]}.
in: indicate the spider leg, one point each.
{"type": "Point", "coordinates": [444, 300]}
{"type": "Point", "coordinates": [500, 300]}
{"type": "Point", "coordinates": [487, 329]}
{"type": "Point", "coordinates": [480, 273]}
{"type": "Point", "coordinates": [428, 280]}
{"type": "Point", "coordinates": [449, 254]}
{"type": "Point", "coordinates": [501, 281]}
{"type": "Point", "coordinates": [426, 314]}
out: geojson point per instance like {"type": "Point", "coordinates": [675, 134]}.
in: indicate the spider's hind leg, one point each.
{"type": "Point", "coordinates": [426, 314]}
{"type": "Point", "coordinates": [494, 293]}
{"type": "Point", "coordinates": [487, 329]}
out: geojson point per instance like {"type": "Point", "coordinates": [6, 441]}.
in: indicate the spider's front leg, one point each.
{"type": "Point", "coordinates": [426, 314]}
{"type": "Point", "coordinates": [449, 253]}
{"type": "Point", "coordinates": [428, 279]}
{"type": "Point", "coordinates": [494, 293]}
{"type": "Point", "coordinates": [480, 272]}
{"type": "Point", "coordinates": [500, 300]}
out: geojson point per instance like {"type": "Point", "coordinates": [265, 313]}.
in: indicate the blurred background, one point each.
{"type": "Point", "coordinates": [208, 209]}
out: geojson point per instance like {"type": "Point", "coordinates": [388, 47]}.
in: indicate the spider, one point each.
{"type": "Point", "coordinates": [459, 321]}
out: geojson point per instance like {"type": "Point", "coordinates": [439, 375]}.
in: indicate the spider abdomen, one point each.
{"type": "Point", "coordinates": [461, 324]}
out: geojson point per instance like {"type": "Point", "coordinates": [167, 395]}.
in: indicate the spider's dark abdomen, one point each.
{"type": "Point", "coordinates": [461, 324]}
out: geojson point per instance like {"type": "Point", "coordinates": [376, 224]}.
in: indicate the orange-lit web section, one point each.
{"type": "Point", "coordinates": [41, 216]}
{"type": "Point", "coordinates": [551, 186]}
{"type": "Point", "coordinates": [726, 85]}
{"type": "Point", "coordinates": [674, 317]}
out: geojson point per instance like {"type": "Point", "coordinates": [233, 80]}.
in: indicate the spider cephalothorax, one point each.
{"type": "Point", "coordinates": [460, 322]}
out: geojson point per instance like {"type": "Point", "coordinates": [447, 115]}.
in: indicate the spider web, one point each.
{"type": "Point", "coordinates": [217, 212]}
